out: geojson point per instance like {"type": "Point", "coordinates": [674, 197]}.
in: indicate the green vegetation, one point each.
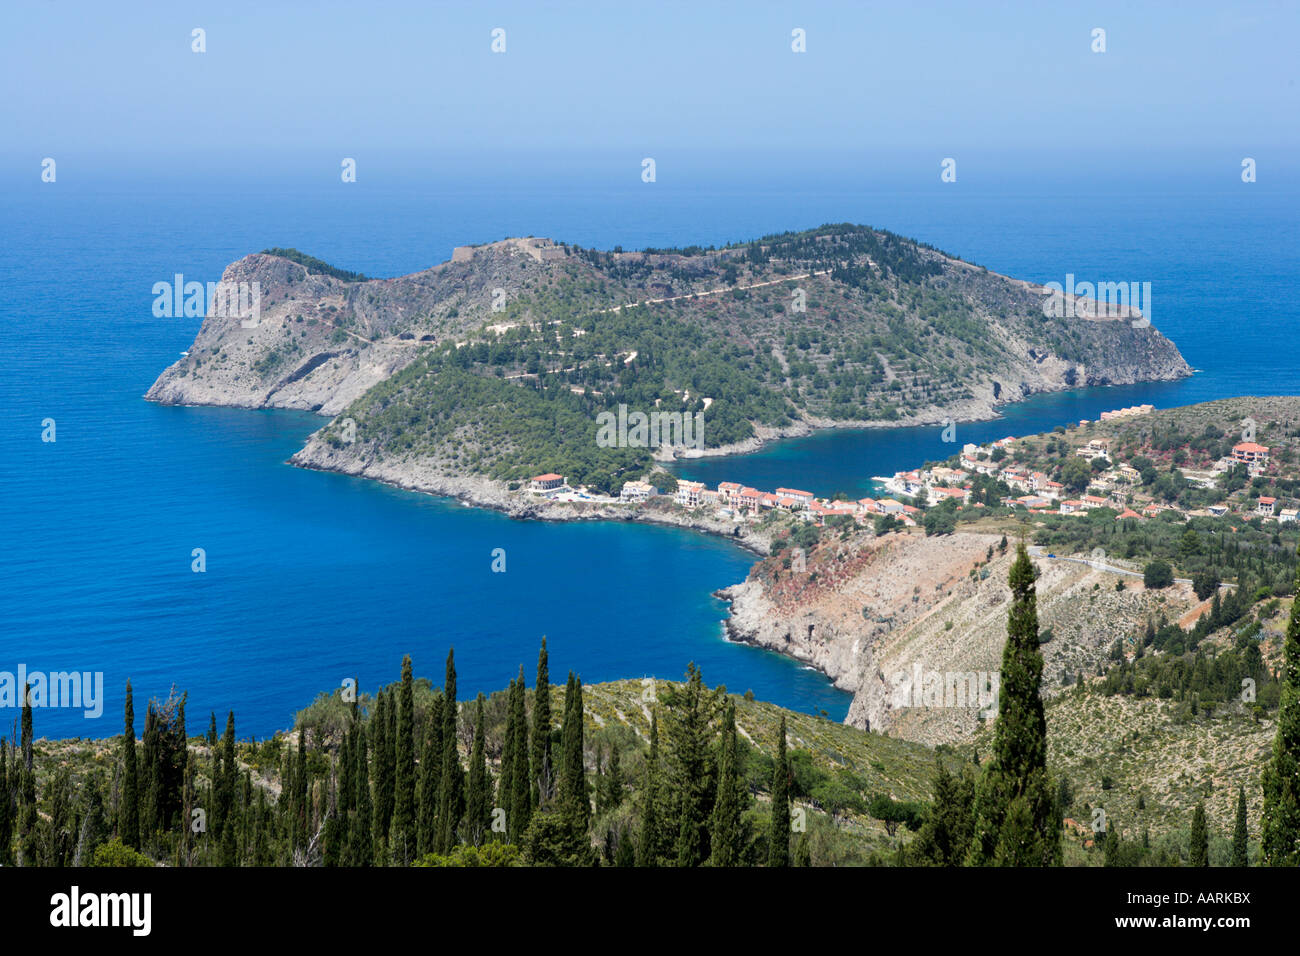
{"type": "Point", "coordinates": [885, 327]}
{"type": "Point", "coordinates": [315, 266]}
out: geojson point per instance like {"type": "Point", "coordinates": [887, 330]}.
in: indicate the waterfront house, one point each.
{"type": "Point", "coordinates": [547, 482]}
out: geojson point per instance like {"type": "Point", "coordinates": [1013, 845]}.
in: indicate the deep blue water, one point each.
{"type": "Point", "coordinates": [312, 578]}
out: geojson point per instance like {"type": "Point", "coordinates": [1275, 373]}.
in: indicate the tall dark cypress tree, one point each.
{"type": "Point", "coordinates": [506, 778]}
{"type": "Point", "coordinates": [226, 797]}
{"type": "Point", "coordinates": [404, 843]}
{"type": "Point", "coordinates": [651, 837]}
{"type": "Point", "coordinates": [128, 824]}
{"type": "Point", "coordinates": [451, 791]}
{"type": "Point", "coordinates": [385, 750]}
{"type": "Point", "coordinates": [612, 782]}
{"type": "Point", "coordinates": [690, 712]}
{"type": "Point", "coordinates": [542, 766]}
{"type": "Point", "coordinates": [149, 778]}
{"type": "Point", "coordinates": [360, 846]}
{"type": "Point", "coordinates": [727, 838]}
{"type": "Point", "coordinates": [29, 820]}
{"type": "Point", "coordinates": [6, 808]}
{"type": "Point", "coordinates": [1239, 833]}
{"type": "Point", "coordinates": [478, 809]}
{"type": "Point", "coordinates": [778, 834]}
{"type": "Point", "coordinates": [1016, 823]}
{"type": "Point", "coordinates": [520, 811]}
{"type": "Point", "coordinates": [573, 776]}
{"type": "Point", "coordinates": [1198, 850]}
{"type": "Point", "coordinates": [1280, 826]}
{"type": "Point", "coordinates": [430, 775]}
{"type": "Point", "coordinates": [301, 788]}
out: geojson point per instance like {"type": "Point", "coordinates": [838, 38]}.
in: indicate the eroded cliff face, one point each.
{"type": "Point", "coordinates": [879, 609]}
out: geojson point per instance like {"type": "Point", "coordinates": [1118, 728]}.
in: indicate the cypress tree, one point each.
{"type": "Point", "coordinates": [1239, 834]}
{"type": "Point", "coordinates": [1198, 850]}
{"type": "Point", "coordinates": [648, 850]}
{"type": "Point", "coordinates": [128, 825]}
{"type": "Point", "coordinates": [612, 783]}
{"type": "Point", "coordinates": [301, 785]}
{"type": "Point", "coordinates": [226, 797]}
{"type": "Point", "coordinates": [573, 777]}
{"type": "Point", "coordinates": [148, 777]}
{"type": "Point", "coordinates": [6, 808]}
{"type": "Point", "coordinates": [451, 792]}
{"type": "Point", "coordinates": [802, 851]}
{"type": "Point", "coordinates": [29, 821]}
{"type": "Point", "coordinates": [945, 835]}
{"type": "Point", "coordinates": [212, 731]}
{"type": "Point", "coordinates": [384, 745]}
{"type": "Point", "coordinates": [478, 810]}
{"type": "Point", "coordinates": [1015, 804]}
{"type": "Point", "coordinates": [506, 778]}
{"type": "Point", "coordinates": [543, 777]}
{"type": "Point", "coordinates": [430, 775]}
{"type": "Point", "coordinates": [404, 842]}
{"type": "Point", "coordinates": [688, 733]}
{"type": "Point", "coordinates": [778, 835]}
{"type": "Point", "coordinates": [727, 838]}
{"type": "Point", "coordinates": [360, 846]}
{"type": "Point", "coordinates": [1280, 826]}
{"type": "Point", "coordinates": [520, 812]}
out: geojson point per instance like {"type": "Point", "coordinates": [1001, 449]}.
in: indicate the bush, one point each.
{"type": "Point", "coordinates": [1157, 574]}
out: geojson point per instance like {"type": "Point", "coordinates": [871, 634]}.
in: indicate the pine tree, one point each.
{"type": "Point", "coordinates": [430, 775]}
{"type": "Point", "coordinates": [404, 842]}
{"type": "Point", "coordinates": [128, 826]}
{"type": "Point", "coordinates": [1239, 834]}
{"type": "Point", "coordinates": [451, 793]}
{"type": "Point", "coordinates": [778, 834]}
{"type": "Point", "coordinates": [478, 809]}
{"type": "Point", "coordinates": [649, 849]}
{"type": "Point", "coordinates": [727, 838]}
{"type": "Point", "coordinates": [1198, 850]}
{"type": "Point", "coordinates": [1280, 826]}
{"type": "Point", "coordinates": [1015, 803]}
{"type": "Point", "coordinates": [543, 786]}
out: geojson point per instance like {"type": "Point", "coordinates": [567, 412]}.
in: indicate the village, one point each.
{"type": "Point", "coordinates": [907, 494]}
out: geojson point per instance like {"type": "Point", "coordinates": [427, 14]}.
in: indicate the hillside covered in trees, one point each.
{"type": "Point", "coordinates": [497, 363]}
{"type": "Point", "coordinates": [634, 774]}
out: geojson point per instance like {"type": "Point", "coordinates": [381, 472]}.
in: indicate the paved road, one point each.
{"type": "Point", "coordinates": [1037, 552]}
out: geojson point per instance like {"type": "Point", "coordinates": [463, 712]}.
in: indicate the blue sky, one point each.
{"type": "Point", "coordinates": [662, 78]}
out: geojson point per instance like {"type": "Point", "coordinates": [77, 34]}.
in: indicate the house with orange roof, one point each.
{"type": "Point", "coordinates": [1250, 452]}
{"type": "Point", "coordinates": [1266, 506]}
{"type": "Point", "coordinates": [547, 482]}
{"type": "Point", "coordinates": [804, 498]}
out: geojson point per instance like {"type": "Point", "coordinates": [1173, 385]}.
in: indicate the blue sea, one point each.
{"type": "Point", "coordinates": [312, 578]}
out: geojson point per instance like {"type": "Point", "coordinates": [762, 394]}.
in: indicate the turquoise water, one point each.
{"type": "Point", "coordinates": [312, 578]}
